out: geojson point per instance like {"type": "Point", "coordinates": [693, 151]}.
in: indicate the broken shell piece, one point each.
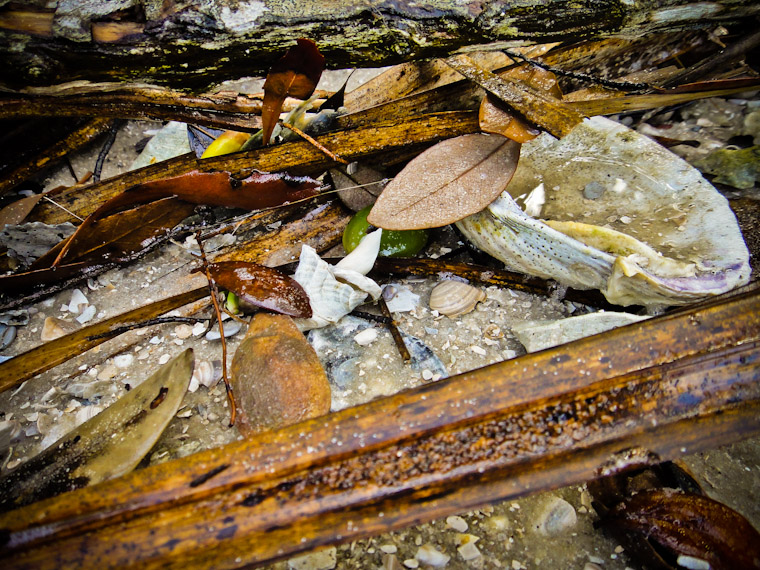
{"type": "Point", "coordinates": [660, 235]}
{"type": "Point", "coordinates": [54, 328]}
{"type": "Point", "coordinates": [538, 335]}
{"type": "Point", "coordinates": [454, 298]}
{"type": "Point", "coordinates": [78, 302]}
{"type": "Point", "coordinates": [206, 373]}
{"type": "Point", "coordinates": [335, 291]}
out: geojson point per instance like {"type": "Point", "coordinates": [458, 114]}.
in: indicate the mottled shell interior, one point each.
{"type": "Point", "coordinates": [613, 187]}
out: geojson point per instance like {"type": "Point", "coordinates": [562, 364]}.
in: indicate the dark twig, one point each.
{"type": "Point", "coordinates": [150, 322]}
{"type": "Point", "coordinates": [71, 169]}
{"type": "Point", "coordinates": [395, 333]}
{"type": "Point", "coordinates": [585, 77]}
{"type": "Point", "coordinates": [107, 144]}
{"type": "Point", "coordinates": [215, 299]}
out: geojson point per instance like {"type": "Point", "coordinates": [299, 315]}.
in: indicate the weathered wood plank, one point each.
{"type": "Point", "coordinates": [195, 44]}
{"type": "Point", "coordinates": [675, 384]}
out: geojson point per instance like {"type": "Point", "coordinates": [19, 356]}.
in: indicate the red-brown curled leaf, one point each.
{"type": "Point", "coordinates": [117, 237]}
{"type": "Point", "coordinates": [690, 525]}
{"type": "Point", "coordinates": [296, 74]}
{"type": "Point", "coordinates": [448, 182]}
{"type": "Point", "coordinates": [262, 286]}
{"type": "Point", "coordinates": [260, 190]}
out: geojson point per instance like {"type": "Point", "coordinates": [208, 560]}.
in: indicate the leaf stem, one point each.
{"type": "Point", "coordinates": [214, 299]}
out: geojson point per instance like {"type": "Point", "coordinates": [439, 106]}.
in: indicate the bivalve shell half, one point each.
{"type": "Point", "coordinates": [454, 298]}
{"type": "Point", "coordinates": [616, 212]}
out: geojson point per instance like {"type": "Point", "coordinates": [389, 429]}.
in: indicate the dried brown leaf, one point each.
{"type": "Point", "coordinates": [687, 524]}
{"type": "Point", "coordinates": [117, 237]}
{"type": "Point", "coordinates": [277, 377]}
{"type": "Point", "coordinates": [535, 105]}
{"type": "Point", "coordinates": [296, 74]}
{"type": "Point", "coordinates": [16, 212]}
{"type": "Point", "coordinates": [260, 190]}
{"type": "Point", "coordinates": [262, 286]}
{"type": "Point", "coordinates": [495, 117]}
{"type": "Point", "coordinates": [448, 182]}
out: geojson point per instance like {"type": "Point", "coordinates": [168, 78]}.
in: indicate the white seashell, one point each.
{"type": "Point", "coordinates": [400, 299]}
{"type": "Point", "coordinates": [454, 298]}
{"type": "Point", "coordinates": [78, 302]}
{"type": "Point", "coordinates": [230, 328]}
{"type": "Point", "coordinates": [206, 373]}
{"type": "Point", "coordinates": [87, 412]}
{"type": "Point", "coordinates": [336, 291]}
{"type": "Point", "coordinates": [366, 337]}
{"type": "Point", "coordinates": [661, 235]}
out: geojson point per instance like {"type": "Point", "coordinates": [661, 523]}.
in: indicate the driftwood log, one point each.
{"type": "Point", "coordinates": [676, 384]}
{"type": "Point", "coordinates": [192, 44]}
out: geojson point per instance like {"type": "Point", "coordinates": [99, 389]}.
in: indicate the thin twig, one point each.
{"type": "Point", "coordinates": [107, 144]}
{"type": "Point", "coordinates": [214, 299]}
{"type": "Point", "coordinates": [149, 323]}
{"type": "Point", "coordinates": [395, 333]}
{"type": "Point", "coordinates": [71, 169]}
{"type": "Point", "coordinates": [313, 141]}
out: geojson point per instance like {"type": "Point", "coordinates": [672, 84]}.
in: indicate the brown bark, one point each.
{"type": "Point", "coordinates": [194, 44]}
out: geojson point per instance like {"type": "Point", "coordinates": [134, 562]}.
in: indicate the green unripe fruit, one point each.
{"type": "Point", "coordinates": [393, 243]}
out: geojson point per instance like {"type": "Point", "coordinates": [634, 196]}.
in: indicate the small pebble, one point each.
{"type": "Point", "coordinates": [411, 563]}
{"type": "Point", "coordinates": [430, 555]}
{"type": "Point", "coordinates": [54, 328]}
{"type": "Point", "coordinates": [455, 522]}
{"type": "Point", "coordinates": [366, 337]}
{"type": "Point", "coordinates": [469, 551]}
{"type": "Point", "coordinates": [183, 331]}
{"type": "Point", "coordinates": [389, 548]}
{"type": "Point", "coordinates": [164, 358]}
{"type": "Point", "coordinates": [123, 360]}
{"type": "Point", "coordinates": [557, 516]}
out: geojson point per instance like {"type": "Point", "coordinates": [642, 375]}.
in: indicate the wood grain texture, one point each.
{"type": "Point", "coordinates": [194, 44]}
{"type": "Point", "coordinates": [673, 385]}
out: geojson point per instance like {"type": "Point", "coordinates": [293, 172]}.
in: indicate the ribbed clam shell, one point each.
{"type": "Point", "coordinates": [454, 298]}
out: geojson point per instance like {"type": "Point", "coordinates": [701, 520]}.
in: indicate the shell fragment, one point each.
{"type": "Point", "coordinates": [659, 234]}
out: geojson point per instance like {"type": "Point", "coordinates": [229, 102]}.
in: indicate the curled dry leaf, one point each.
{"type": "Point", "coordinates": [688, 525]}
{"type": "Point", "coordinates": [450, 181]}
{"type": "Point", "coordinates": [261, 286]}
{"type": "Point", "coordinates": [277, 377]}
{"type": "Point", "coordinates": [497, 118]}
{"type": "Point", "coordinates": [260, 190]}
{"type": "Point", "coordinates": [106, 446]}
{"type": "Point", "coordinates": [296, 74]}
{"type": "Point", "coordinates": [117, 237]}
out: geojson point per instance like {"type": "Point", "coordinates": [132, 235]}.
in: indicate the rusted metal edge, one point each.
{"type": "Point", "coordinates": [420, 454]}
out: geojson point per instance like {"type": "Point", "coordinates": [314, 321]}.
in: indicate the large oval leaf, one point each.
{"type": "Point", "coordinates": [277, 377]}
{"type": "Point", "coordinates": [448, 182]}
{"type": "Point", "coordinates": [106, 446]}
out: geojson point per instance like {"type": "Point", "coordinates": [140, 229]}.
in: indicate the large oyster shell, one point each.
{"type": "Point", "coordinates": [620, 214]}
